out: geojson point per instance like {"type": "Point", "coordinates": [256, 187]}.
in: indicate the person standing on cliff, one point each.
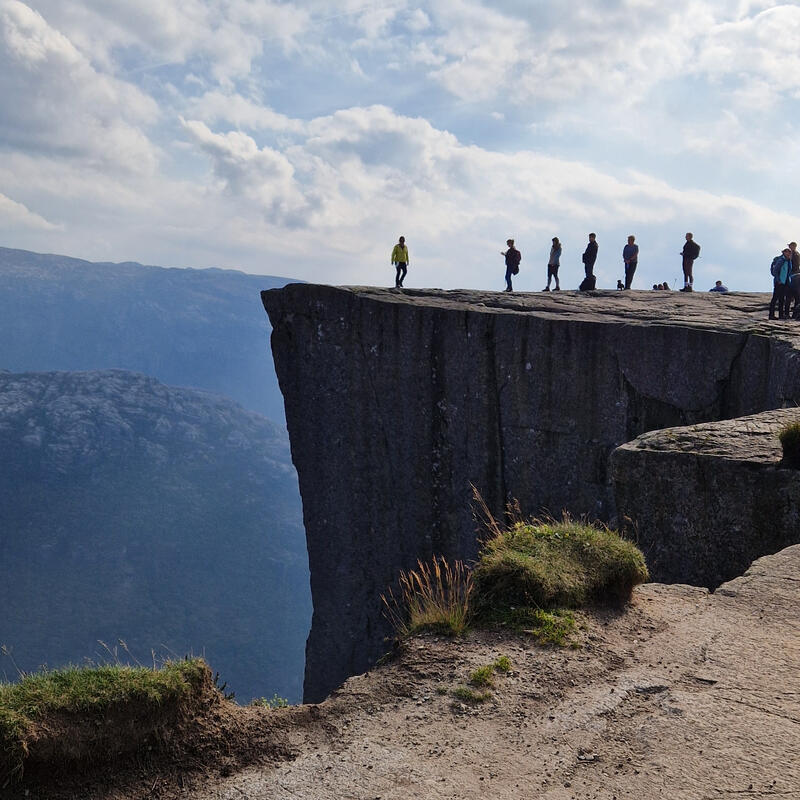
{"type": "Point", "coordinates": [590, 255]}
{"type": "Point", "coordinates": [400, 261]}
{"type": "Point", "coordinates": [781, 270]}
{"type": "Point", "coordinates": [553, 263]}
{"type": "Point", "coordinates": [630, 258]}
{"type": "Point", "coordinates": [513, 257]}
{"type": "Point", "coordinates": [691, 251]}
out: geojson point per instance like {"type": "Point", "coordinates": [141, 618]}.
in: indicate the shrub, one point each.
{"type": "Point", "coordinates": [790, 442]}
{"type": "Point", "coordinates": [548, 564]}
{"type": "Point", "coordinates": [90, 713]}
{"type": "Point", "coordinates": [435, 596]}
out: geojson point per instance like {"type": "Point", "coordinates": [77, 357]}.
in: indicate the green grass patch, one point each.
{"type": "Point", "coordinates": [549, 564]}
{"type": "Point", "coordinates": [483, 676]}
{"type": "Point", "coordinates": [502, 664]}
{"type": "Point", "coordinates": [789, 437]}
{"type": "Point", "coordinates": [40, 709]}
{"type": "Point", "coordinates": [467, 695]}
{"type": "Point", "coordinates": [546, 627]}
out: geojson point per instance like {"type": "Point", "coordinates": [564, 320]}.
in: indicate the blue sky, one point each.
{"type": "Point", "coordinates": [303, 138]}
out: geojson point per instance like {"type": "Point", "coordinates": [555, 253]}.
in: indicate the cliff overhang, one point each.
{"type": "Point", "coordinates": [398, 401]}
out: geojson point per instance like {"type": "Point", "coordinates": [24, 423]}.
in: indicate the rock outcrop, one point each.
{"type": "Point", "coordinates": [398, 401]}
{"type": "Point", "coordinates": [705, 501]}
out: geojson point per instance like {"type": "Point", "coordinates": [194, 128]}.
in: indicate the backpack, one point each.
{"type": "Point", "coordinates": [588, 284]}
{"type": "Point", "coordinates": [516, 257]}
{"type": "Point", "coordinates": [775, 267]}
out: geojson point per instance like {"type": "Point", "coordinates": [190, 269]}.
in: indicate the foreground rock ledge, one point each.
{"type": "Point", "coordinates": [397, 401]}
{"type": "Point", "coordinates": [685, 695]}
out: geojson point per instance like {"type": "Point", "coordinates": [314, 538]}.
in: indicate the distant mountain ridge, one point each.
{"type": "Point", "coordinates": [163, 516]}
{"type": "Point", "coordinates": [202, 328]}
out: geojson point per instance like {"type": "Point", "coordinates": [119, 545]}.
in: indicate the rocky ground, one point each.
{"type": "Point", "coordinates": [683, 694]}
{"type": "Point", "coordinates": [686, 695]}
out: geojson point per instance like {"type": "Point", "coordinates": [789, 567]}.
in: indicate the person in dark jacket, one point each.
{"type": "Point", "coordinates": [781, 270]}
{"type": "Point", "coordinates": [630, 257]}
{"type": "Point", "coordinates": [590, 255]}
{"type": "Point", "coordinates": [513, 257]}
{"type": "Point", "coordinates": [691, 250]}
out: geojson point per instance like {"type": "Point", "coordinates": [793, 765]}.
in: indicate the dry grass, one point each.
{"type": "Point", "coordinates": [434, 596]}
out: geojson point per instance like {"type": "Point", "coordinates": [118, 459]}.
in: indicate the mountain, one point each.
{"type": "Point", "coordinates": [164, 517]}
{"type": "Point", "coordinates": [203, 328]}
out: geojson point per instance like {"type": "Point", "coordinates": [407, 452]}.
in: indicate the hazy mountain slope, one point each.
{"type": "Point", "coordinates": [166, 517]}
{"type": "Point", "coordinates": [186, 327]}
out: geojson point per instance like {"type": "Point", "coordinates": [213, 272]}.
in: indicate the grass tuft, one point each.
{"type": "Point", "coordinates": [549, 564]}
{"type": "Point", "coordinates": [502, 664]}
{"type": "Point", "coordinates": [529, 573]}
{"type": "Point", "coordinates": [790, 442]}
{"type": "Point", "coordinates": [467, 695]}
{"type": "Point", "coordinates": [434, 597]}
{"type": "Point", "coordinates": [483, 676]}
{"type": "Point", "coordinates": [41, 702]}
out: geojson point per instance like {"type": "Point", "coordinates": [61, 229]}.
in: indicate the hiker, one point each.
{"type": "Point", "coordinates": [553, 264]}
{"type": "Point", "coordinates": [691, 251]}
{"type": "Point", "coordinates": [513, 257]}
{"type": "Point", "coordinates": [666, 287]}
{"type": "Point", "coordinates": [781, 270]}
{"type": "Point", "coordinates": [630, 257]}
{"type": "Point", "coordinates": [590, 255]}
{"type": "Point", "coordinates": [400, 261]}
{"type": "Point", "coordinates": [718, 287]}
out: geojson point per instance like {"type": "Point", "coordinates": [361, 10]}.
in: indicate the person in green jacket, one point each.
{"type": "Point", "coordinates": [400, 261]}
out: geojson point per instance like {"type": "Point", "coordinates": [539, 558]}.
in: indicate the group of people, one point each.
{"type": "Point", "coordinates": [785, 270]}
{"type": "Point", "coordinates": [630, 259]}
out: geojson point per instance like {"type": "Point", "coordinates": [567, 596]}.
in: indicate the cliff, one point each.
{"type": "Point", "coordinates": [397, 402]}
{"type": "Point", "coordinates": [705, 501]}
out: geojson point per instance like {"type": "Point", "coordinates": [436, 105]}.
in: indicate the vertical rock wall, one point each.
{"type": "Point", "coordinates": [703, 502]}
{"type": "Point", "coordinates": [396, 403]}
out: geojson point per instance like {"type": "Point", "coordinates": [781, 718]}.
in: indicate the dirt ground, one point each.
{"type": "Point", "coordinates": [683, 694]}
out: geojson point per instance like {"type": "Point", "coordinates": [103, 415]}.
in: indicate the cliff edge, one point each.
{"type": "Point", "coordinates": [398, 401]}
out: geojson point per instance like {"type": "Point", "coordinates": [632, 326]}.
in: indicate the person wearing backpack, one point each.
{"type": "Point", "coordinates": [690, 252]}
{"type": "Point", "coordinates": [513, 257]}
{"type": "Point", "coordinates": [781, 271]}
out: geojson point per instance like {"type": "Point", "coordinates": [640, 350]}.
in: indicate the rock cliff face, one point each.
{"type": "Point", "coordinates": [397, 401]}
{"type": "Point", "coordinates": [705, 501]}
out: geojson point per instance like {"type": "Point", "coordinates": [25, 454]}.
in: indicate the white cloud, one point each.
{"type": "Point", "coordinates": [54, 100]}
{"type": "Point", "coordinates": [245, 171]}
{"type": "Point", "coordinates": [228, 35]}
{"type": "Point", "coordinates": [15, 215]}
{"type": "Point", "coordinates": [234, 109]}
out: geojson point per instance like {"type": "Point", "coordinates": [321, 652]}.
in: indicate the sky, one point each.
{"type": "Point", "coordinates": [302, 139]}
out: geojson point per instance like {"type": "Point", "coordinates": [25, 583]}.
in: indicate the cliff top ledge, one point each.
{"type": "Point", "coordinates": [735, 311]}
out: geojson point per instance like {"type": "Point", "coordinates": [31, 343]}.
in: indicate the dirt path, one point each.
{"type": "Point", "coordinates": [685, 695]}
